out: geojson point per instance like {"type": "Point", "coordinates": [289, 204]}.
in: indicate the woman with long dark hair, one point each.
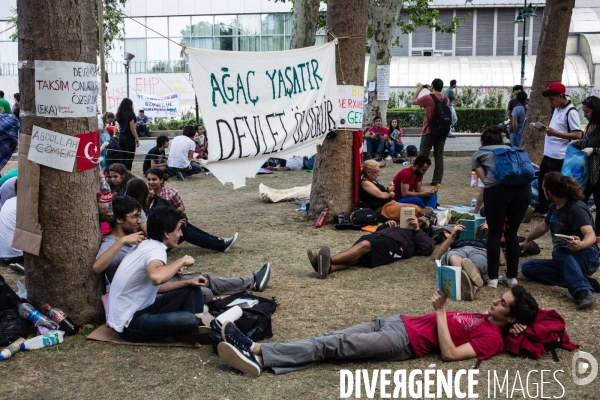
{"type": "Point", "coordinates": [128, 138]}
{"type": "Point", "coordinates": [119, 178]}
{"type": "Point", "coordinates": [590, 144]}
{"type": "Point", "coordinates": [506, 205]}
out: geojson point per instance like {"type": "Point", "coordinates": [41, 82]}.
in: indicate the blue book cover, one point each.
{"type": "Point", "coordinates": [448, 280]}
{"type": "Point", "coordinates": [472, 232]}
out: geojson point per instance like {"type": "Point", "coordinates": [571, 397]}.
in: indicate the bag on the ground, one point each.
{"type": "Point", "coordinates": [440, 122]}
{"type": "Point", "coordinates": [362, 215]}
{"type": "Point", "coordinates": [255, 322]}
{"type": "Point", "coordinates": [513, 166]}
{"type": "Point", "coordinates": [411, 150]}
{"type": "Point", "coordinates": [342, 221]}
{"type": "Point", "coordinates": [12, 325]}
{"type": "Point", "coordinates": [576, 165]}
{"type": "Point", "coordinates": [392, 210]}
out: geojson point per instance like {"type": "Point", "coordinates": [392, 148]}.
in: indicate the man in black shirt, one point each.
{"type": "Point", "coordinates": [513, 102]}
{"type": "Point", "coordinates": [156, 157]}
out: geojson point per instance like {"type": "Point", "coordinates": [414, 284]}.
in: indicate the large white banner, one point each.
{"type": "Point", "coordinates": [166, 106]}
{"type": "Point", "coordinates": [257, 105]}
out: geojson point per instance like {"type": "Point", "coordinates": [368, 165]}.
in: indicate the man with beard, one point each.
{"type": "Point", "coordinates": [407, 184]}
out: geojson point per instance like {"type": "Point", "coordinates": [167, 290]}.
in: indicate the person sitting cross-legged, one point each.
{"type": "Point", "coordinates": [456, 335]}
{"type": "Point", "coordinates": [388, 244]}
{"type": "Point", "coordinates": [575, 254]}
{"type": "Point", "coordinates": [407, 184]}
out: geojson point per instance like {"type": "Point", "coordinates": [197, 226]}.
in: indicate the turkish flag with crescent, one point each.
{"type": "Point", "coordinates": [88, 151]}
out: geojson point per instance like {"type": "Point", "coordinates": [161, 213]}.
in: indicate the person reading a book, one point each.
{"type": "Point", "coordinates": [376, 138]}
{"type": "Point", "coordinates": [456, 335]}
{"type": "Point", "coordinates": [394, 139]}
{"type": "Point", "coordinates": [575, 252]}
{"type": "Point", "coordinates": [389, 243]}
{"type": "Point", "coordinates": [407, 184]}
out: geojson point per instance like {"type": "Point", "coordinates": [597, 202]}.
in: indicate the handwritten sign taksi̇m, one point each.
{"type": "Point", "coordinates": [65, 89]}
{"type": "Point", "coordinates": [53, 149]}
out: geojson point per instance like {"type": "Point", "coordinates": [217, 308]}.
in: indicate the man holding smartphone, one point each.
{"type": "Point", "coordinates": [564, 127]}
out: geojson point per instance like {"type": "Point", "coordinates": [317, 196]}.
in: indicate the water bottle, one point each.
{"type": "Point", "coordinates": [473, 202]}
{"type": "Point", "coordinates": [26, 310]}
{"type": "Point", "coordinates": [208, 173]}
{"type": "Point", "coordinates": [321, 219]}
{"type": "Point", "coordinates": [10, 351]}
{"type": "Point", "coordinates": [473, 179]}
{"type": "Point", "coordinates": [64, 323]}
{"type": "Point", "coordinates": [41, 341]}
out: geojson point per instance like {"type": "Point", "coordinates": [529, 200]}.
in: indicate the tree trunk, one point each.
{"type": "Point", "coordinates": [304, 23]}
{"type": "Point", "coordinates": [383, 16]}
{"type": "Point", "coordinates": [61, 30]}
{"type": "Point", "coordinates": [332, 184]}
{"type": "Point", "coordinates": [549, 65]}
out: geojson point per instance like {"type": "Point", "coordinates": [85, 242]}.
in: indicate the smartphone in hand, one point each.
{"type": "Point", "coordinates": [538, 125]}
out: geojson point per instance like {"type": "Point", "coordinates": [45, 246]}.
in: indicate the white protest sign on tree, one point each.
{"type": "Point", "coordinates": [257, 105]}
{"type": "Point", "coordinates": [65, 89]}
{"type": "Point", "coordinates": [383, 82]}
{"type": "Point", "coordinates": [166, 106]}
{"type": "Point", "coordinates": [350, 103]}
{"type": "Point", "coordinates": [53, 149]}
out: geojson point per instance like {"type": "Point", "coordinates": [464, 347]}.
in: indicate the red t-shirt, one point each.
{"type": "Point", "coordinates": [427, 102]}
{"type": "Point", "coordinates": [405, 176]}
{"type": "Point", "coordinates": [476, 329]}
{"type": "Point", "coordinates": [382, 131]}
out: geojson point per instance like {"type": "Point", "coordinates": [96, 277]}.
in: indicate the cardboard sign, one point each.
{"type": "Point", "coordinates": [53, 149]}
{"type": "Point", "coordinates": [159, 106]}
{"type": "Point", "coordinates": [65, 89]}
{"type": "Point", "coordinates": [383, 82]}
{"type": "Point", "coordinates": [350, 103]}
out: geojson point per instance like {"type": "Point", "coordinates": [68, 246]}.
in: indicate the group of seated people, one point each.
{"type": "Point", "coordinates": [378, 139]}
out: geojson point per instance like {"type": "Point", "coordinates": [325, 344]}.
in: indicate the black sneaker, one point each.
{"type": "Point", "coordinates": [324, 261]}
{"type": "Point", "coordinates": [312, 258]}
{"type": "Point", "coordinates": [586, 299]}
{"type": "Point", "coordinates": [228, 242]}
{"type": "Point", "coordinates": [594, 282]}
{"type": "Point", "coordinates": [261, 278]}
{"type": "Point", "coordinates": [235, 350]}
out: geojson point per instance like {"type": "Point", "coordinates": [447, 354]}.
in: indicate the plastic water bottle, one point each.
{"type": "Point", "coordinates": [208, 173]}
{"type": "Point", "coordinates": [321, 219]}
{"type": "Point", "coordinates": [26, 310]}
{"type": "Point", "coordinates": [10, 351]}
{"type": "Point", "coordinates": [473, 202]}
{"type": "Point", "coordinates": [41, 341]}
{"type": "Point", "coordinates": [64, 323]}
{"type": "Point", "coordinates": [473, 179]}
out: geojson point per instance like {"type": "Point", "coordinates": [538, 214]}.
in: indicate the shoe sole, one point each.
{"type": "Point", "coordinates": [324, 261]}
{"type": "Point", "coordinates": [262, 285]}
{"type": "Point", "coordinates": [466, 287]}
{"type": "Point", "coordinates": [471, 270]}
{"type": "Point", "coordinates": [586, 305]}
{"type": "Point", "coordinates": [312, 258]}
{"type": "Point", "coordinates": [593, 281]}
{"type": "Point", "coordinates": [17, 268]}
{"type": "Point", "coordinates": [232, 357]}
{"type": "Point", "coordinates": [528, 215]}
{"type": "Point", "coordinates": [235, 236]}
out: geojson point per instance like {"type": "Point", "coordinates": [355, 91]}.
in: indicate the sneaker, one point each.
{"type": "Point", "coordinates": [235, 350]}
{"type": "Point", "coordinates": [585, 299]}
{"type": "Point", "coordinates": [493, 283]}
{"type": "Point", "coordinates": [451, 135]}
{"type": "Point", "coordinates": [466, 287]}
{"type": "Point", "coordinates": [528, 215]}
{"type": "Point", "coordinates": [472, 271]}
{"type": "Point", "coordinates": [312, 258]}
{"type": "Point", "coordinates": [261, 278]}
{"type": "Point", "coordinates": [510, 282]}
{"type": "Point", "coordinates": [180, 176]}
{"type": "Point", "coordinates": [228, 242]}
{"type": "Point", "coordinates": [538, 214]}
{"type": "Point", "coordinates": [593, 281]}
{"type": "Point", "coordinates": [17, 267]}
{"type": "Point", "coordinates": [324, 262]}
{"type": "Point", "coordinates": [388, 158]}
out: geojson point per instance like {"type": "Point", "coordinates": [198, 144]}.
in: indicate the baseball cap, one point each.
{"type": "Point", "coordinates": [555, 88]}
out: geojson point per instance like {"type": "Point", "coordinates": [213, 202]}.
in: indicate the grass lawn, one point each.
{"type": "Point", "coordinates": [277, 233]}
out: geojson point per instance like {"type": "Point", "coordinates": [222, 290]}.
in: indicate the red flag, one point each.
{"type": "Point", "coordinates": [88, 150]}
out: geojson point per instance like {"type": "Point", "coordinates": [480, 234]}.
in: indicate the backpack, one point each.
{"type": "Point", "coordinates": [12, 325]}
{"type": "Point", "coordinates": [513, 166]}
{"type": "Point", "coordinates": [411, 150]}
{"type": "Point", "coordinates": [362, 215]}
{"type": "Point", "coordinates": [342, 221]}
{"type": "Point", "coordinates": [440, 122]}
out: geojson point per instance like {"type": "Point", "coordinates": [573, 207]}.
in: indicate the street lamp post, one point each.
{"type": "Point", "coordinates": [128, 57]}
{"type": "Point", "coordinates": [525, 13]}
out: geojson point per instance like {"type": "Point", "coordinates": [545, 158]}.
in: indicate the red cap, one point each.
{"type": "Point", "coordinates": [555, 88]}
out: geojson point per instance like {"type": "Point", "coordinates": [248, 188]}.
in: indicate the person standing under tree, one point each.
{"type": "Point", "coordinates": [128, 138]}
{"type": "Point", "coordinates": [449, 98]}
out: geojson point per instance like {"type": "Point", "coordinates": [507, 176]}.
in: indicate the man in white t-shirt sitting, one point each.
{"type": "Point", "coordinates": [564, 127]}
{"type": "Point", "coordinates": [181, 156]}
{"type": "Point", "coordinates": [8, 223]}
{"type": "Point", "coordinates": [142, 304]}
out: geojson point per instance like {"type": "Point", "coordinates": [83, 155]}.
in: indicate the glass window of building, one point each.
{"type": "Point", "coordinates": [225, 25]}
{"type": "Point", "coordinates": [202, 43]}
{"type": "Point", "coordinates": [273, 24]}
{"type": "Point", "coordinates": [249, 25]}
{"type": "Point", "coordinates": [272, 43]}
{"type": "Point", "coordinates": [133, 29]}
{"type": "Point", "coordinates": [225, 43]}
{"type": "Point", "coordinates": [158, 54]}
{"type": "Point", "coordinates": [249, 43]}
{"type": "Point", "coordinates": [159, 24]}
{"type": "Point", "coordinates": [202, 26]}
{"type": "Point", "coordinates": [179, 27]}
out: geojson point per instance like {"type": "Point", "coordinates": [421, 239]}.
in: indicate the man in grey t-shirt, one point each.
{"type": "Point", "coordinates": [449, 98]}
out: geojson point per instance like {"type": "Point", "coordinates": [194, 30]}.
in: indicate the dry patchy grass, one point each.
{"type": "Point", "coordinates": [79, 368]}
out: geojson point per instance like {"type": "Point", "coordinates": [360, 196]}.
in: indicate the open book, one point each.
{"type": "Point", "coordinates": [405, 214]}
{"type": "Point", "coordinates": [394, 135]}
{"type": "Point", "coordinates": [472, 232]}
{"type": "Point", "coordinates": [448, 280]}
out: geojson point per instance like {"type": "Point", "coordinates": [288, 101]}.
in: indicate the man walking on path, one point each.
{"type": "Point", "coordinates": [449, 97]}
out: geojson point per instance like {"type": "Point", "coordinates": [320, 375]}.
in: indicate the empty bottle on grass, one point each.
{"type": "Point", "coordinates": [26, 310]}
{"type": "Point", "coordinates": [321, 219]}
{"type": "Point", "coordinates": [41, 341]}
{"type": "Point", "coordinates": [10, 351]}
{"type": "Point", "coordinates": [64, 323]}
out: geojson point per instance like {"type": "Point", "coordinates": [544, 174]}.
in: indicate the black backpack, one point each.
{"type": "Point", "coordinates": [362, 215]}
{"type": "Point", "coordinates": [441, 120]}
{"type": "Point", "coordinates": [12, 325]}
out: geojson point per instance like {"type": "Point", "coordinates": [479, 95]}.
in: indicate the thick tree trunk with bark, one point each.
{"type": "Point", "coordinates": [332, 184]}
{"type": "Point", "coordinates": [383, 16]}
{"type": "Point", "coordinates": [61, 30]}
{"type": "Point", "coordinates": [304, 23]}
{"type": "Point", "coordinates": [549, 65]}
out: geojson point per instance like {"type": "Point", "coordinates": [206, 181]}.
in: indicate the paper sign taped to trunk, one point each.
{"type": "Point", "coordinates": [53, 149]}
{"type": "Point", "coordinates": [350, 103]}
{"type": "Point", "coordinates": [166, 106]}
{"type": "Point", "coordinates": [65, 89]}
{"type": "Point", "coordinates": [383, 82]}
{"type": "Point", "coordinates": [257, 105]}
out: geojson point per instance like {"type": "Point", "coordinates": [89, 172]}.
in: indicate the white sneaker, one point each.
{"type": "Point", "coordinates": [493, 283]}
{"type": "Point", "coordinates": [388, 158]}
{"type": "Point", "coordinates": [510, 282]}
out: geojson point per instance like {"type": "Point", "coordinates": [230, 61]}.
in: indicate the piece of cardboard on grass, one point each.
{"type": "Point", "coordinates": [105, 334]}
